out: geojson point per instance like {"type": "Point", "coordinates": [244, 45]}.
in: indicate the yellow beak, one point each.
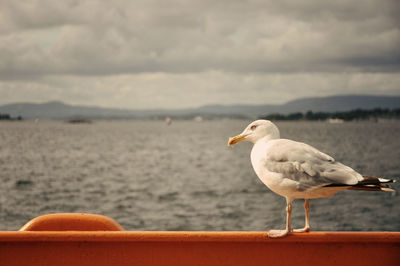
{"type": "Point", "coordinates": [236, 139]}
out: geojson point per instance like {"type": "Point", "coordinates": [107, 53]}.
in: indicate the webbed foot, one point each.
{"type": "Point", "coordinates": [302, 230]}
{"type": "Point", "coordinates": [277, 233]}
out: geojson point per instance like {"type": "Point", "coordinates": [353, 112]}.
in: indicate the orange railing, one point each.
{"type": "Point", "coordinates": [86, 239]}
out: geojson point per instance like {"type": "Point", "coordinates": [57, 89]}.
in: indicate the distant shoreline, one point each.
{"type": "Point", "coordinates": [339, 103]}
{"type": "Point", "coordinates": [332, 117]}
{"type": "Point", "coordinates": [7, 117]}
{"type": "Point", "coordinates": [337, 117]}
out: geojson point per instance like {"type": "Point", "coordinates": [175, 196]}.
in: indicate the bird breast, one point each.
{"type": "Point", "coordinates": [274, 181]}
{"type": "Point", "coordinates": [258, 158]}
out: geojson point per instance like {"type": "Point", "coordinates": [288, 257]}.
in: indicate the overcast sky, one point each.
{"type": "Point", "coordinates": [176, 54]}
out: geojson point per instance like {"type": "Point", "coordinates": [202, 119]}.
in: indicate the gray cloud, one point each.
{"type": "Point", "coordinates": [45, 42]}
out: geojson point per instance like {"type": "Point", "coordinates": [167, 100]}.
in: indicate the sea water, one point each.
{"type": "Point", "coordinates": [151, 176]}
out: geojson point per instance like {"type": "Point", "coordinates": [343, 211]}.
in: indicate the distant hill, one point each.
{"type": "Point", "coordinates": [341, 103]}
{"type": "Point", "coordinates": [320, 104]}
{"type": "Point", "coordinates": [60, 110]}
{"type": "Point", "coordinates": [57, 110]}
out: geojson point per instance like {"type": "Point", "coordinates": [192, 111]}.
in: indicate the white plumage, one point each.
{"type": "Point", "coordinates": [296, 170]}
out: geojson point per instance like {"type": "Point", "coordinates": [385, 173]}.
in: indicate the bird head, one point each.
{"type": "Point", "coordinates": [255, 131]}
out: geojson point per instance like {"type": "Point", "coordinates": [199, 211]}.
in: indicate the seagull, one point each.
{"type": "Point", "coordinates": [296, 170]}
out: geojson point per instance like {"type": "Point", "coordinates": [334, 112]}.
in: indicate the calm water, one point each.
{"type": "Point", "coordinates": [149, 176]}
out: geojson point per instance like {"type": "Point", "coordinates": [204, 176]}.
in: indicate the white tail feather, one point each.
{"type": "Point", "coordinates": [383, 180]}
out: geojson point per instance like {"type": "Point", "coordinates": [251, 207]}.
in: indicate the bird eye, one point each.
{"type": "Point", "coordinates": [253, 127]}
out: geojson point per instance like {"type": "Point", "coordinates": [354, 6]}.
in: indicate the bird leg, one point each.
{"type": "Point", "coordinates": [281, 233]}
{"type": "Point", "coordinates": [307, 214]}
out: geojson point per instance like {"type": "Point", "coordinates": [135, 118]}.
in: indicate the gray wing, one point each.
{"type": "Point", "coordinates": [307, 166]}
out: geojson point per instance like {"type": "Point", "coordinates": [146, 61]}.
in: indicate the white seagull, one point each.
{"type": "Point", "coordinates": [296, 170]}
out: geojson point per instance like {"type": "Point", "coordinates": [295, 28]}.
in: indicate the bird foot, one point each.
{"type": "Point", "coordinates": [277, 233]}
{"type": "Point", "coordinates": [302, 230]}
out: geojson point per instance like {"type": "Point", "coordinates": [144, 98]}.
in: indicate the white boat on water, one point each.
{"type": "Point", "coordinates": [335, 121]}
{"type": "Point", "coordinates": [198, 119]}
{"type": "Point", "coordinates": [168, 120]}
